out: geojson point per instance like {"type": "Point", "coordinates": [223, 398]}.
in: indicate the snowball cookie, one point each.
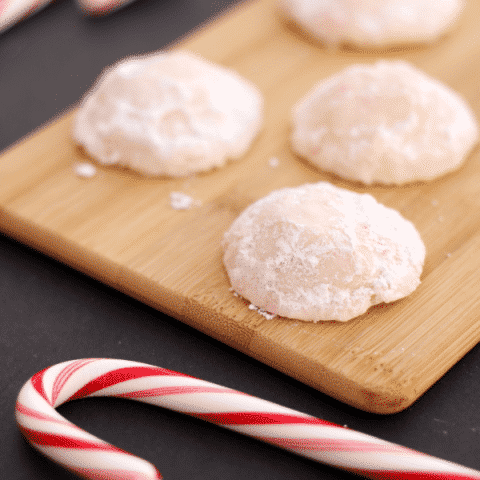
{"type": "Point", "coordinates": [374, 23]}
{"type": "Point", "coordinates": [320, 252]}
{"type": "Point", "coordinates": [384, 123]}
{"type": "Point", "coordinates": [169, 114]}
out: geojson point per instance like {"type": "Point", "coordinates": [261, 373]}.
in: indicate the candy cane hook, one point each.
{"type": "Point", "coordinates": [92, 458]}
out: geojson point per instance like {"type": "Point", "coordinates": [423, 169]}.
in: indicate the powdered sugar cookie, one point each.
{"type": "Point", "coordinates": [169, 114]}
{"type": "Point", "coordinates": [374, 23]}
{"type": "Point", "coordinates": [320, 252]}
{"type": "Point", "coordinates": [388, 123]}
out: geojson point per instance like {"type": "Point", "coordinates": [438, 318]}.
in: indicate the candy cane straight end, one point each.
{"type": "Point", "coordinates": [94, 459]}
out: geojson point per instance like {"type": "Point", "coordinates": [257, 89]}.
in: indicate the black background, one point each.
{"type": "Point", "coordinates": [50, 313]}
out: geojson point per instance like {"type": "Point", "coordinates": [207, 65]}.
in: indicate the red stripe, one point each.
{"type": "Point", "coordinates": [65, 375]}
{"type": "Point", "coordinates": [37, 382]}
{"type": "Point", "coordinates": [63, 441]}
{"type": "Point", "coordinates": [259, 418]}
{"type": "Point", "coordinates": [402, 475]}
{"type": "Point", "coordinates": [121, 375]}
{"type": "Point", "coordinates": [181, 390]}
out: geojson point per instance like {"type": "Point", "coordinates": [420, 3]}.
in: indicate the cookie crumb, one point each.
{"type": "Point", "coordinates": [266, 314]}
{"type": "Point", "coordinates": [235, 294]}
{"type": "Point", "coordinates": [85, 170]}
{"type": "Point", "coordinates": [180, 201]}
{"type": "Point", "coordinates": [274, 162]}
{"type": "Point", "coordinates": [262, 312]}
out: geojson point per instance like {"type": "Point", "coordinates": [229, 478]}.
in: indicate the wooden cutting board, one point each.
{"type": "Point", "coordinates": [119, 227]}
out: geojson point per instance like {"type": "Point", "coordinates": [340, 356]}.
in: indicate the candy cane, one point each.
{"type": "Point", "coordinates": [92, 458]}
{"type": "Point", "coordinates": [101, 7]}
{"type": "Point", "coordinates": [13, 11]}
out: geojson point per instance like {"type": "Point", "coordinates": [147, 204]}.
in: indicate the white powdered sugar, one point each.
{"type": "Point", "coordinates": [384, 123]}
{"type": "Point", "coordinates": [181, 201]}
{"type": "Point", "coordinates": [374, 23]}
{"type": "Point", "coordinates": [262, 312]}
{"type": "Point", "coordinates": [319, 252]}
{"type": "Point", "coordinates": [274, 162]}
{"type": "Point", "coordinates": [172, 114]}
{"type": "Point", "coordinates": [85, 170]}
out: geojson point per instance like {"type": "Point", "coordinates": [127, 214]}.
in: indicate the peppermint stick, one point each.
{"type": "Point", "coordinates": [13, 11]}
{"type": "Point", "coordinates": [92, 458]}
{"type": "Point", "coordinates": [101, 7]}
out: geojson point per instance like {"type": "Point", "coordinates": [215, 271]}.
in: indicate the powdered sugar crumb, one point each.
{"type": "Point", "coordinates": [181, 201]}
{"type": "Point", "coordinates": [262, 312]}
{"type": "Point", "coordinates": [85, 170]}
{"type": "Point", "coordinates": [267, 315]}
{"type": "Point", "coordinates": [274, 162]}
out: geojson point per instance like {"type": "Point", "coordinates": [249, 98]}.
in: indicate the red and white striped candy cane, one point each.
{"type": "Point", "coordinates": [92, 458]}
{"type": "Point", "coordinates": [13, 11]}
{"type": "Point", "coordinates": [101, 7]}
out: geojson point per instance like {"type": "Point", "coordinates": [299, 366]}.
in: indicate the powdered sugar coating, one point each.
{"type": "Point", "coordinates": [388, 123]}
{"type": "Point", "coordinates": [320, 252]}
{"type": "Point", "coordinates": [171, 114]}
{"type": "Point", "coordinates": [374, 23]}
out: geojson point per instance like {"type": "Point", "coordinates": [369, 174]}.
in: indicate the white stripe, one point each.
{"type": "Point", "coordinates": [308, 431]}
{"type": "Point", "coordinates": [98, 459]}
{"type": "Point", "coordinates": [214, 403]}
{"type": "Point", "coordinates": [30, 398]}
{"type": "Point", "coordinates": [56, 428]}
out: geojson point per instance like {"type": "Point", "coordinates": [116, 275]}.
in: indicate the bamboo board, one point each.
{"type": "Point", "coordinates": [120, 228]}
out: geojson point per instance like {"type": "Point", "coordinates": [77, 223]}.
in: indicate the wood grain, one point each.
{"type": "Point", "coordinates": [119, 227]}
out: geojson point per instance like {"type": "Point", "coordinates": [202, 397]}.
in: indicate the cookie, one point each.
{"type": "Point", "coordinates": [385, 123]}
{"type": "Point", "coordinates": [172, 114]}
{"type": "Point", "coordinates": [367, 24]}
{"type": "Point", "coordinates": [319, 252]}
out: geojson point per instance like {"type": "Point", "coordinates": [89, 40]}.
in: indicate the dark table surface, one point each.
{"type": "Point", "coordinates": [50, 313]}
